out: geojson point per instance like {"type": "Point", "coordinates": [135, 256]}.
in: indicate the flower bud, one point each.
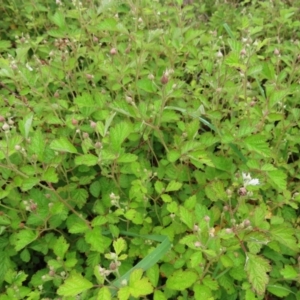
{"type": "Point", "coordinates": [164, 79]}
{"type": "Point", "coordinates": [5, 127]}
{"type": "Point", "coordinates": [113, 51]}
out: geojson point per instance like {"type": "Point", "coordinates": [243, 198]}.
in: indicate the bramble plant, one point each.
{"type": "Point", "coordinates": [149, 150]}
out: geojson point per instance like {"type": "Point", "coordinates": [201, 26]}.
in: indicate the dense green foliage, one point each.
{"type": "Point", "coordinates": [149, 149]}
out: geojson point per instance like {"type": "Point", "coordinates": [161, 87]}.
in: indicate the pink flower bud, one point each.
{"type": "Point", "coordinates": [113, 51]}
{"type": "Point", "coordinates": [74, 122]}
{"type": "Point", "coordinates": [164, 79]}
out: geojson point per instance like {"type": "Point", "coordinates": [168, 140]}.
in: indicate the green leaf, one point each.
{"type": "Point", "coordinates": [284, 235]}
{"type": "Point", "coordinates": [278, 178]}
{"type": "Point", "coordinates": [74, 285]}
{"type": "Point", "coordinates": [119, 245]}
{"type": "Point", "coordinates": [181, 280]}
{"type": "Point", "coordinates": [256, 269]}
{"type": "Point", "coordinates": [109, 24]}
{"type": "Point", "coordinates": [104, 294]}
{"type": "Point", "coordinates": [166, 198]}
{"type": "Point", "coordinates": [186, 217]}
{"type": "Point", "coordinates": [159, 187]}
{"type": "Point", "coordinates": [215, 190]}
{"type": "Point", "coordinates": [279, 290]}
{"type": "Point", "coordinates": [118, 134]}
{"type": "Point", "coordinates": [150, 260]}
{"type": "Point", "coordinates": [25, 125]}
{"type": "Point", "coordinates": [62, 144]}
{"type": "Point", "coordinates": [37, 144]}
{"type": "Point", "coordinates": [5, 264]}
{"type": "Point", "coordinates": [173, 155]}
{"type": "Point", "coordinates": [211, 283]}
{"type": "Point", "coordinates": [97, 241]}
{"type": "Point", "coordinates": [58, 19]}
{"type": "Point", "coordinates": [25, 255]}
{"type": "Point", "coordinates": [257, 144]}
{"type": "Point", "coordinates": [85, 100]}
{"type": "Point", "coordinates": [202, 292]}
{"type": "Point", "coordinates": [4, 45]}
{"type": "Point", "coordinates": [24, 238]}
{"type": "Point", "coordinates": [79, 196]}
{"type": "Point", "coordinates": [77, 225]}
{"type": "Point", "coordinates": [127, 158]}
{"type": "Point", "coordinates": [29, 183]}
{"type": "Point", "coordinates": [95, 188]}
{"type": "Point", "coordinates": [153, 275]}
{"type": "Point", "coordinates": [159, 295]}
{"type": "Point", "coordinates": [4, 220]}
{"type": "Point", "coordinates": [86, 159]}
{"type": "Point", "coordinates": [60, 247]}
{"type": "Point", "coordinates": [50, 175]}
{"type": "Point", "coordinates": [289, 272]}
{"type": "Point", "coordinates": [140, 288]}
{"type": "Point", "coordinates": [173, 186]}
{"type": "Point", "coordinates": [124, 293]}
{"type": "Point", "coordinates": [146, 85]}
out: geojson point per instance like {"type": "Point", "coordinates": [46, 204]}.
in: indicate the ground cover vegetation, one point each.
{"type": "Point", "coordinates": [149, 150]}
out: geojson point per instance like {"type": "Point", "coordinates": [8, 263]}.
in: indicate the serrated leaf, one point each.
{"type": "Point", "coordinates": [159, 187]}
{"type": "Point", "coordinates": [60, 247]}
{"type": "Point", "coordinates": [78, 227]}
{"type": "Point", "coordinates": [62, 144]}
{"type": "Point", "coordinates": [127, 158]}
{"type": "Point", "coordinates": [136, 275]}
{"type": "Point", "coordinates": [4, 220]}
{"type": "Point", "coordinates": [124, 293]}
{"type": "Point", "coordinates": [95, 188]}
{"type": "Point", "coordinates": [181, 280]}
{"type": "Point", "coordinates": [211, 283]}
{"type": "Point", "coordinates": [58, 19]}
{"type": "Point", "coordinates": [146, 85]}
{"type": "Point", "coordinates": [79, 196]}
{"type": "Point", "coordinates": [74, 285]}
{"type": "Point", "coordinates": [97, 241]}
{"type": "Point", "coordinates": [29, 183]}
{"type": "Point", "coordinates": [166, 198]}
{"type": "Point", "coordinates": [186, 217]}
{"type": "Point", "coordinates": [5, 264]}
{"type": "Point", "coordinates": [38, 144]}
{"type": "Point", "coordinates": [85, 100]}
{"type": "Point", "coordinates": [25, 255]}
{"type": "Point", "coordinates": [50, 175]}
{"type": "Point", "coordinates": [109, 24]}
{"type": "Point", "coordinates": [278, 177]}
{"type": "Point", "coordinates": [119, 245]}
{"type": "Point", "coordinates": [279, 290]}
{"type": "Point", "coordinates": [86, 159]}
{"type": "Point", "coordinates": [104, 294]}
{"type": "Point", "coordinates": [173, 155]}
{"type": "Point", "coordinates": [173, 186]}
{"type": "Point", "coordinates": [118, 134]}
{"type": "Point", "coordinates": [140, 288]}
{"type": "Point", "coordinates": [153, 275]}
{"type": "Point", "coordinates": [202, 292]}
{"type": "Point", "coordinates": [256, 269]}
{"type": "Point", "coordinates": [289, 272]}
{"type": "Point", "coordinates": [24, 238]}
{"type": "Point", "coordinates": [285, 236]}
{"type": "Point", "coordinates": [257, 144]}
{"type": "Point", "coordinates": [4, 45]}
{"type": "Point", "coordinates": [159, 295]}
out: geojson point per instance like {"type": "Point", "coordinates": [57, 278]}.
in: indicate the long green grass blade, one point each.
{"type": "Point", "coordinates": [147, 262]}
